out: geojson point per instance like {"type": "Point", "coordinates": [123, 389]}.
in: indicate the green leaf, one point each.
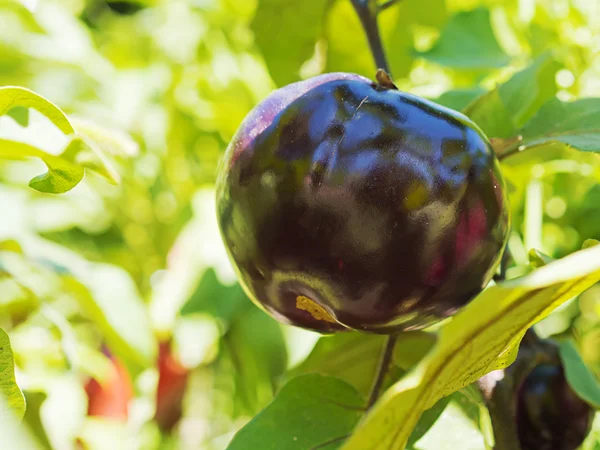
{"type": "Point", "coordinates": [310, 412]}
{"type": "Point", "coordinates": [502, 111]}
{"type": "Point", "coordinates": [452, 430]}
{"type": "Point", "coordinates": [20, 115]}
{"type": "Point", "coordinates": [482, 337]}
{"type": "Point", "coordinates": [66, 170]}
{"type": "Point", "coordinates": [427, 420]}
{"type": "Point", "coordinates": [396, 27]}
{"type": "Point", "coordinates": [539, 259]}
{"type": "Point", "coordinates": [32, 417]}
{"type": "Point", "coordinates": [13, 96]}
{"type": "Point", "coordinates": [470, 401]}
{"type": "Point", "coordinates": [259, 358]}
{"type": "Point", "coordinates": [490, 114]}
{"type": "Point", "coordinates": [435, 15]}
{"type": "Point", "coordinates": [348, 51]}
{"type": "Point", "coordinates": [579, 376]}
{"type": "Point", "coordinates": [411, 347]}
{"type": "Point", "coordinates": [589, 243]}
{"type": "Point", "coordinates": [525, 93]}
{"type": "Point", "coordinates": [459, 99]}
{"type": "Point", "coordinates": [351, 357]}
{"type": "Point", "coordinates": [8, 385]}
{"type": "Point", "coordinates": [211, 296]}
{"type": "Point", "coordinates": [468, 42]}
{"type": "Point", "coordinates": [354, 357]}
{"type": "Point", "coordinates": [62, 175]}
{"type": "Point", "coordinates": [575, 124]}
{"type": "Point", "coordinates": [286, 32]}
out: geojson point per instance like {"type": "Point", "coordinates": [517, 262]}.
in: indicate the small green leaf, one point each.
{"type": "Point", "coordinates": [480, 338]}
{"type": "Point", "coordinates": [286, 32]}
{"type": "Point", "coordinates": [13, 96]}
{"type": "Point", "coordinates": [310, 412]}
{"type": "Point", "coordinates": [468, 42]}
{"type": "Point", "coordinates": [67, 170]}
{"type": "Point", "coordinates": [589, 243]}
{"type": "Point", "coordinates": [575, 124]}
{"type": "Point", "coordinates": [538, 259]}
{"type": "Point", "coordinates": [64, 171]}
{"type": "Point", "coordinates": [8, 385]}
{"type": "Point", "coordinates": [62, 175]}
{"type": "Point", "coordinates": [579, 376]}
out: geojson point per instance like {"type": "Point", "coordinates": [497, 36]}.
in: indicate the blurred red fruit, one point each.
{"type": "Point", "coordinates": [111, 398]}
{"type": "Point", "coordinates": [172, 381]}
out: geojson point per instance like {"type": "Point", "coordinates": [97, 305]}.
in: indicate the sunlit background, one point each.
{"type": "Point", "coordinates": [93, 282]}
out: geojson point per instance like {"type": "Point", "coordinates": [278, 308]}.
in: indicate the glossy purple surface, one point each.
{"type": "Point", "coordinates": [387, 211]}
{"type": "Point", "coordinates": [550, 416]}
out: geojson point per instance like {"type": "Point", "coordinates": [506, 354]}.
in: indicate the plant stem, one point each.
{"type": "Point", "coordinates": [367, 13]}
{"type": "Point", "coordinates": [382, 369]}
{"type": "Point", "coordinates": [367, 10]}
{"type": "Point", "coordinates": [507, 147]}
{"type": "Point", "coordinates": [530, 338]}
{"type": "Point", "coordinates": [386, 5]}
{"type": "Point", "coordinates": [506, 257]}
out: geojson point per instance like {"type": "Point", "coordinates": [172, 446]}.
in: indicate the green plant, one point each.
{"type": "Point", "coordinates": [113, 253]}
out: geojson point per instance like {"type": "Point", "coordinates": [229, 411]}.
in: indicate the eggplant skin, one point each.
{"type": "Point", "coordinates": [550, 416]}
{"type": "Point", "coordinates": [344, 204]}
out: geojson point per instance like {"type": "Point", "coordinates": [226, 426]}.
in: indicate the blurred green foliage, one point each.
{"type": "Point", "coordinates": [160, 87]}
